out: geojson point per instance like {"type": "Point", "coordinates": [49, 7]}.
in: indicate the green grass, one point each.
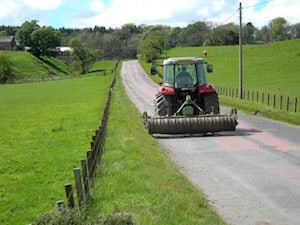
{"type": "Point", "coordinates": [45, 129]}
{"type": "Point", "coordinates": [26, 65]}
{"type": "Point", "coordinates": [137, 177]}
{"type": "Point", "coordinates": [274, 67]}
{"type": "Point", "coordinates": [103, 65]}
{"type": "Point", "coordinates": [271, 68]}
{"type": "Point", "coordinates": [258, 109]}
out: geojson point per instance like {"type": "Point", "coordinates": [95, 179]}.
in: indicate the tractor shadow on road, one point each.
{"type": "Point", "coordinates": [237, 132]}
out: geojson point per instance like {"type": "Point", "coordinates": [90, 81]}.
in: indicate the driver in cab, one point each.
{"type": "Point", "coordinates": [183, 78]}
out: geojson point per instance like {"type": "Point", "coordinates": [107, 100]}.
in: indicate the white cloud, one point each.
{"type": "Point", "coordinates": [97, 6]}
{"type": "Point", "coordinates": [218, 5]}
{"type": "Point", "coordinates": [167, 12]}
{"type": "Point", "coordinates": [115, 13]}
{"type": "Point", "coordinates": [7, 8]}
{"type": "Point", "coordinates": [288, 9]}
{"type": "Point", "coordinates": [42, 4]}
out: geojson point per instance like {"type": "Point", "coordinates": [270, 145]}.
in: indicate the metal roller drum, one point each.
{"type": "Point", "coordinates": [191, 125]}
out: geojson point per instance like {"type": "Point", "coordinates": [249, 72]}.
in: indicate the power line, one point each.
{"type": "Point", "coordinates": [246, 7]}
{"type": "Point", "coordinates": [237, 10]}
{"type": "Point", "coordinates": [258, 4]}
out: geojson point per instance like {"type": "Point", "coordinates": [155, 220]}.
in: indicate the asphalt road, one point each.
{"type": "Point", "coordinates": [251, 176]}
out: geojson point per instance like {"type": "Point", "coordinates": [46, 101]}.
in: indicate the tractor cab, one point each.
{"type": "Point", "coordinates": [184, 72]}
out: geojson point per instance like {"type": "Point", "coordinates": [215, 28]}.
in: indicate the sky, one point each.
{"type": "Point", "coordinates": [116, 13]}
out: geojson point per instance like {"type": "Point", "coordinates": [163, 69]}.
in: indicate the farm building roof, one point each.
{"type": "Point", "coordinates": [6, 39]}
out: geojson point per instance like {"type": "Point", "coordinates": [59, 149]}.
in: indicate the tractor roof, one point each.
{"type": "Point", "coordinates": [183, 60]}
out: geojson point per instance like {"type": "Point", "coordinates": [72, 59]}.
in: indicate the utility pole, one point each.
{"type": "Point", "coordinates": [240, 55]}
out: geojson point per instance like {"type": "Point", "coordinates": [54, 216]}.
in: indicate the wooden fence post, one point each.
{"type": "Point", "coordinates": [69, 195]}
{"type": "Point", "coordinates": [85, 179]}
{"type": "Point", "coordinates": [262, 97]}
{"type": "Point", "coordinates": [60, 205]}
{"type": "Point", "coordinates": [78, 185]}
{"type": "Point", "coordinates": [89, 163]}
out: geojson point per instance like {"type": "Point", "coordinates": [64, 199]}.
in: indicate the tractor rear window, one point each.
{"type": "Point", "coordinates": [168, 78]}
{"type": "Point", "coordinates": [195, 71]}
{"type": "Point", "coordinates": [201, 74]}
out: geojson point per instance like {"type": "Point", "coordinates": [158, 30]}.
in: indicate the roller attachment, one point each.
{"type": "Point", "coordinates": [192, 124]}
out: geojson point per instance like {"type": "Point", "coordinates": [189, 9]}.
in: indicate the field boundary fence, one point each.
{"type": "Point", "coordinates": [85, 174]}
{"type": "Point", "coordinates": [276, 101]}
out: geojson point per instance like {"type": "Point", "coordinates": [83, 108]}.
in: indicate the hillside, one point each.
{"type": "Point", "coordinates": [273, 67]}
{"type": "Point", "coordinates": [25, 65]}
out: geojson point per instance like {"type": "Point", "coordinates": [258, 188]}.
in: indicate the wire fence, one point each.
{"type": "Point", "coordinates": [84, 176]}
{"type": "Point", "coordinates": [287, 103]}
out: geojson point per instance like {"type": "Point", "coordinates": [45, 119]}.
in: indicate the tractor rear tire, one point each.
{"type": "Point", "coordinates": [211, 103]}
{"type": "Point", "coordinates": [161, 105]}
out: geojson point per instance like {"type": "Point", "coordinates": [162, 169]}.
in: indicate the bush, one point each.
{"type": "Point", "coordinates": [6, 71]}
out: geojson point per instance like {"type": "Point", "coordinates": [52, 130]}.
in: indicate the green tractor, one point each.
{"type": "Point", "coordinates": [185, 103]}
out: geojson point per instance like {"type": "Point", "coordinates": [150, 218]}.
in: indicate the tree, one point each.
{"type": "Point", "coordinates": [6, 71]}
{"type": "Point", "coordinates": [258, 36]}
{"type": "Point", "coordinates": [279, 29]}
{"type": "Point", "coordinates": [112, 46]}
{"type": "Point", "coordinates": [295, 30]}
{"type": "Point", "coordinates": [128, 43]}
{"type": "Point", "coordinates": [193, 34]}
{"type": "Point", "coordinates": [8, 30]}
{"type": "Point", "coordinates": [248, 33]}
{"type": "Point", "coordinates": [265, 34]}
{"type": "Point", "coordinates": [24, 32]}
{"type": "Point", "coordinates": [227, 34]}
{"type": "Point", "coordinates": [173, 36]}
{"type": "Point", "coordinates": [83, 56]}
{"type": "Point", "coordinates": [44, 41]}
{"type": "Point", "coordinates": [152, 46]}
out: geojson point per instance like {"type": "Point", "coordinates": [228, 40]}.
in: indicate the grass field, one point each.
{"type": "Point", "coordinates": [137, 177]}
{"type": "Point", "coordinates": [26, 65]}
{"type": "Point", "coordinates": [271, 68]}
{"type": "Point", "coordinates": [274, 67]}
{"type": "Point", "coordinates": [45, 129]}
